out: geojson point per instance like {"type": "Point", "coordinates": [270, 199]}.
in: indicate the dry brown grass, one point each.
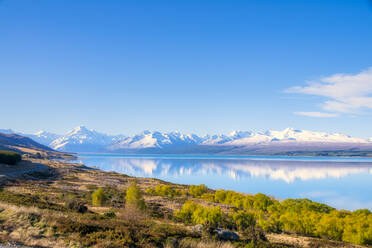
{"type": "Point", "coordinates": [191, 243]}
{"type": "Point", "coordinates": [18, 228]}
{"type": "Point", "coordinates": [133, 215]}
{"type": "Point", "coordinates": [308, 242]}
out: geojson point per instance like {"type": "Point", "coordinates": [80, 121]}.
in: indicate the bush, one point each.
{"type": "Point", "coordinates": [198, 190]}
{"type": "Point", "coordinates": [99, 197]}
{"type": "Point", "coordinates": [186, 212]}
{"type": "Point", "coordinates": [164, 190]}
{"type": "Point", "coordinates": [300, 216]}
{"type": "Point", "coordinates": [208, 215]}
{"type": "Point", "coordinates": [110, 214]}
{"type": "Point", "coordinates": [77, 206]}
{"type": "Point", "coordinates": [134, 197]}
{"type": "Point", "coordinates": [192, 213]}
{"type": "Point", "coordinates": [244, 220]}
{"type": "Point", "coordinates": [8, 157]}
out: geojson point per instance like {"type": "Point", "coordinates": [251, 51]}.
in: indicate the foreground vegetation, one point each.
{"type": "Point", "coordinates": [68, 205]}
{"type": "Point", "coordinates": [300, 216]}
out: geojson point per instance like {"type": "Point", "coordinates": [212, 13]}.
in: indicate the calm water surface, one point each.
{"type": "Point", "coordinates": [344, 183]}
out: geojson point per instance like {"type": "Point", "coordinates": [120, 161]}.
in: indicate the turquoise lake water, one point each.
{"type": "Point", "coordinates": [344, 183]}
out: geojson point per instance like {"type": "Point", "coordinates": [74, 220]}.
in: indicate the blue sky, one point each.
{"type": "Point", "coordinates": [194, 66]}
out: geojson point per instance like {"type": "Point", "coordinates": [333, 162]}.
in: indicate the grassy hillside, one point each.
{"type": "Point", "coordinates": [68, 205]}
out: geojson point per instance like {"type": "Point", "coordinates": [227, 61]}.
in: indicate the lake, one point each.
{"type": "Point", "coordinates": [344, 183]}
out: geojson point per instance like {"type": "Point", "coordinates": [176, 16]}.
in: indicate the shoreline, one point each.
{"type": "Point", "coordinates": [294, 156]}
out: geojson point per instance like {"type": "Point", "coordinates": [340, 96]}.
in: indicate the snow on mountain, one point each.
{"type": "Point", "coordinates": [310, 136]}
{"type": "Point", "coordinates": [164, 141]}
{"type": "Point", "coordinates": [223, 139]}
{"type": "Point", "coordinates": [286, 135]}
{"type": "Point", "coordinates": [83, 139]}
{"type": "Point", "coordinates": [156, 139]}
{"type": "Point", "coordinates": [6, 131]}
{"type": "Point", "coordinates": [43, 137]}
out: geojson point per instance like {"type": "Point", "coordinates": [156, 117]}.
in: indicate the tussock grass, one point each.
{"type": "Point", "coordinates": [192, 243]}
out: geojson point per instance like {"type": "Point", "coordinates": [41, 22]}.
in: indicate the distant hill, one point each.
{"type": "Point", "coordinates": [25, 145]}
{"type": "Point", "coordinates": [15, 140]}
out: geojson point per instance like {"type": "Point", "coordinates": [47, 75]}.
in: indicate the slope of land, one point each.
{"type": "Point", "coordinates": [25, 145]}
{"type": "Point", "coordinates": [55, 206]}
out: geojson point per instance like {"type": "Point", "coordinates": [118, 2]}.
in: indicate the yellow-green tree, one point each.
{"type": "Point", "coordinates": [186, 212]}
{"type": "Point", "coordinates": [134, 197]}
{"type": "Point", "coordinates": [208, 215]}
{"type": "Point", "coordinates": [244, 220]}
{"type": "Point", "coordinates": [198, 190]}
{"type": "Point", "coordinates": [197, 214]}
{"type": "Point", "coordinates": [99, 197]}
{"type": "Point", "coordinates": [330, 226]}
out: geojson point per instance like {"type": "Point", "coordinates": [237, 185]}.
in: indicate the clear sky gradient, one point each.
{"type": "Point", "coordinates": [208, 66]}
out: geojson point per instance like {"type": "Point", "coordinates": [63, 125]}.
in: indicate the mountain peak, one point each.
{"type": "Point", "coordinates": [45, 133]}
{"type": "Point", "coordinates": [41, 132]}
{"type": "Point", "coordinates": [291, 130]}
{"type": "Point", "coordinates": [81, 128]}
{"type": "Point", "coordinates": [240, 134]}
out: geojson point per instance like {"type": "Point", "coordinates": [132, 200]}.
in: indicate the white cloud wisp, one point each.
{"type": "Point", "coordinates": [317, 114]}
{"type": "Point", "coordinates": [345, 93]}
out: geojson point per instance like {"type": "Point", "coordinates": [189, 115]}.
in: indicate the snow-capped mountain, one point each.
{"type": "Point", "coordinates": [6, 131]}
{"type": "Point", "coordinates": [293, 135]}
{"type": "Point", "coordinates": [222, 139]}
{"type": "Point", "coordinates": [156, 139]}
{"type": "Point", "coordinates": [43, 137]}
{"type": "Point", "coordinates": [82, 139]}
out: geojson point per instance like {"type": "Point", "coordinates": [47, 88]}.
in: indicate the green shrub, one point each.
{"type": "Point", "coordinates": [358, 228]}
{"type": "Point", "coordinates": [300, 216]}
{"type": "Point", "coordinates": [99, 197]}
{"type": "Point", "coordinates": [110, 214]}
{"type": "Point", "coordinates": [244, 220]}
{"type": "Point", "coordinates": [208, 215]}
{"type": "Point", "coordinates": [192, 213]}
{"type": "Point", "coordinates": [198, 190]}
{"type": "Point", "coordinates": [134, 197]}
{"type": "Point", "coordinates": [186, 212]}
{"type": "Point", "coordinates": [164, 190]}
{"type": "Point", "coordinates": [9, 157]}
{"type": "Point", "coordinates": [150, 191]}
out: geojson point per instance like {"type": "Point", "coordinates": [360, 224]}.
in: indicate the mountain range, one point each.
{"type": "Point", "coordinates": [289, 140]}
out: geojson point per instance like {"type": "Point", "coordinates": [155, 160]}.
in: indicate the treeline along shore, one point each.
{"type": "Point", "coordinates": [61, 204]}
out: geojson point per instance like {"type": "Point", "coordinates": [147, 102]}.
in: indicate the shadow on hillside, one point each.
{"type": "Point", "coordinates": [27, 170]}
